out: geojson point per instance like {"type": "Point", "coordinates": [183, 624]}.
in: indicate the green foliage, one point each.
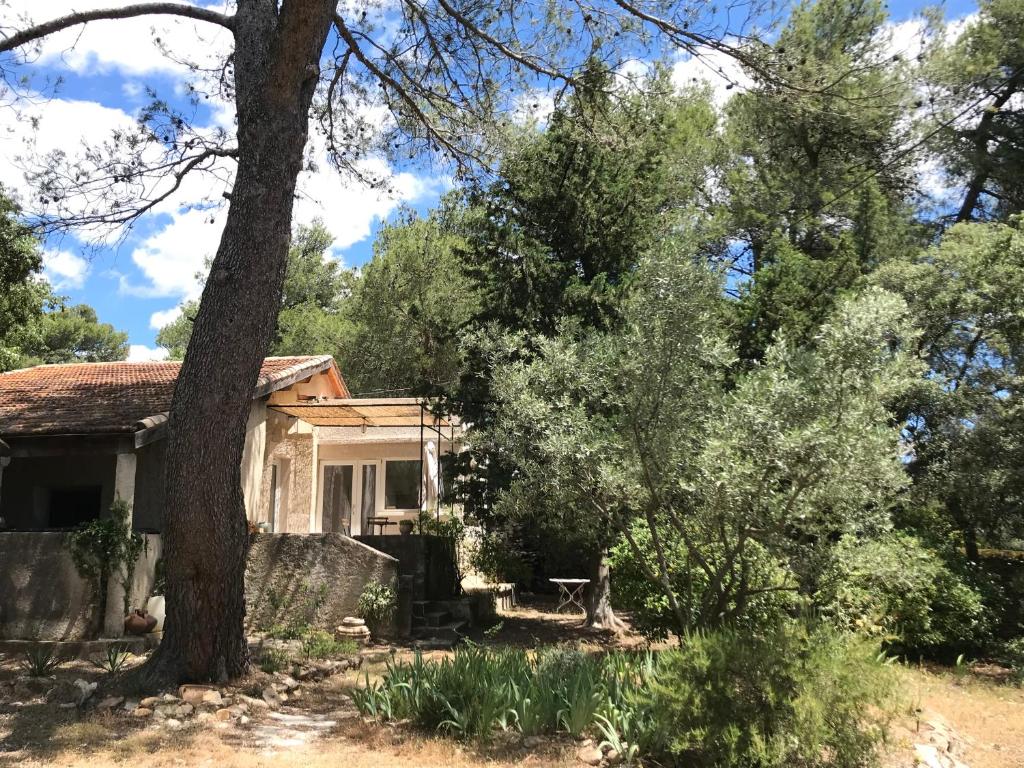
{"type": "Point", "coordinates": [271, 660]}
{"type": "Point", "coordinates": [409, 305]}
{"type": "Point", "coordinates": [815, 199]}
{"type": "Point", "coordinates": [966, 419]}
{"type": "Point", "coordinates": [107, 547]}
{"type": "Point", "coordinates": [318, 644]}
{"type": "Point", "coordinates": [724, 497]}
{"type": "Point", "coordinates": [114, 658]}
{"type": "Point", "coordinates": [975, 77]}
{"type": "Point", "coordinates": [791, 697]}
{"type": "Point", "coordinates": [377, 604]}
{"type": "Point", "coordinates": [40, 661]}
{"type": "Point", "coordinates": [895, 589]}
{"type": "Point", "coordinates": [72, 334]}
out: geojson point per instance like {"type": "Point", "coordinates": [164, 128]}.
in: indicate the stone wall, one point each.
{"type": "Point", "coordinates": [286, 573]}
{"type": "Point", "coordinates": [42, 597]}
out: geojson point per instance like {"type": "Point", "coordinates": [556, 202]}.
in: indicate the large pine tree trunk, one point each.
{"type": "Point", "coordinates": [598, 596]}
{"type": "Point", "coordinates": [205, 535]}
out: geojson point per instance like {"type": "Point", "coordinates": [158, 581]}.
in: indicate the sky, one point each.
{"type": "Point", "coordinates": [138, 282]}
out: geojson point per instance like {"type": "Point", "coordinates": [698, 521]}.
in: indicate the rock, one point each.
{"type": "Point", "coordinates": [193, 694]}
{"type": "Point", "coordinates": [183, 710]}
{"type": "Point", "coordinates": [289, 683]}
{"type": "Point", "coordinates": [131, 705]}
{"type": "Point", "coordinates": [168, 697]}
{"type": "Point", "coordinates": [532, 742]}
{"type": "Point", "coordinates": [272, 697]}
{"type": "Point", "coordinates": [85, 691]}
{"type": "Point", "coordinates": [110, 702]}
{"type": "Point", "coordinates": [253, 703]}
{"type": "Point", "coordinates": [173, 724]}
{"type": "Point", "coordinates": [213, 698]}
{"type": "Point", "coordinates": [205, 717]}
{"type": "Point", "coordinates": [243, 720]}
{"type": "Point", "coordinates": [612, 756]}
{"type": "Point", "coordinates": [590, 755]}
{"type": "Point", "coordinates": [150, 701]}
{"type": "Point", "coordinates": [142, 712]}
{"type": "Point", "coordinates": [224, 714]}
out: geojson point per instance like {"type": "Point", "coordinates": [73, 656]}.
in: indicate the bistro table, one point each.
{"type": "Point", "coordinates": [381, 522]}
{"type": "Point", "coordinates": [571, 592]}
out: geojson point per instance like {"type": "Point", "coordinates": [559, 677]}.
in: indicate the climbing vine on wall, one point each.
{"type": "Point", "coordinates": [104, 548]}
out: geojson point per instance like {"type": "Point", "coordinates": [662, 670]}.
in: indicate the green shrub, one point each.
{"type": "Point", "coordinates": [787, 698]}
{"type": "Point", "coordinates": [724, 699]}
{"type": "Point", "coordinates": [651, 613]}
{"type": "Point", "coordinates": [318, 644]}
{"type": "Point", "coordinates": [272, 660]}
{"type": "Point", "coordinates": [377, 605]}
{"type": "Point", "coordinates": [896, 589]}
{"type": "Point", "coordinates": [1011, 653]}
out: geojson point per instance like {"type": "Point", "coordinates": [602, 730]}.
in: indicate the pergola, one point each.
{"type": "Point", "coordinates": [376, 412]}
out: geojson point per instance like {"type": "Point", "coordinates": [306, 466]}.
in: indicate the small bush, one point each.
{"type": "Point", "coordinates": [377, 605]}
{"type": "Point", "coordinates": [790, 697]}
{"type": "Point", "coordinates": [272, 660]}
{"type": "Point", "coordinates": [323, 645]}
{"type": "Point", "coordinates": [1011, 653]}
{"type": "Point", "coordinates": [897, 590]}
{"type": "Point", "coordinates": [40, 661]}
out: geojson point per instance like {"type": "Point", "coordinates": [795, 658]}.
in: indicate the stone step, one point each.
{"type": "Point", "coordinates": [437, 618]}
{"type": "Point", "coordinates": [446, 635]}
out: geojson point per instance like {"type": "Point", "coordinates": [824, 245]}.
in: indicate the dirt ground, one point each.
{"type": "Point", "coordinates": [985, 715]}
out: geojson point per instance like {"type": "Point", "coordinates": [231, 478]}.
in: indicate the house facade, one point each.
{"type": "Point", "coordinates": [75, 437]}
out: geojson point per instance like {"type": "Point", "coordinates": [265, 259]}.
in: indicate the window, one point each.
{"type": "Point", "coordinates": [70, 507]}
{"type": "Point", "coordinates": [402, 484]}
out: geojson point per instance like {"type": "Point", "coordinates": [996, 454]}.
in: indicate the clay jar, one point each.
{"type": "Point", "coordinates": [138, 622]}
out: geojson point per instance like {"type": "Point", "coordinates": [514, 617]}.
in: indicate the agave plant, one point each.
{"type": "Point", "coordinates": [40, 661]}
{"type": "Point", "coordinates": [114, 659]}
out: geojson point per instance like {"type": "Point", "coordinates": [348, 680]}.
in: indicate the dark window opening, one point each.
{"type": "Point", "coordinates": [401, 484]}
{"type": "Point", "coordinates": [70, 507]}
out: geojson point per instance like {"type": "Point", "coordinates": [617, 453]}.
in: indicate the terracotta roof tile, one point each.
{"type": "Point", "coordinates": [101, 398]}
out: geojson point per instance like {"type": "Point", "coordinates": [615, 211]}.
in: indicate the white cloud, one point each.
{"type": "Point", "coordinates": [140, 353]}
{"type": "Point", "coordinates": [164, 317]}
{"type": "Point", "coordinates": [172, 257]}
{"type": "Point", "coordinates": [719, 70]}
{"type": "Point", "coordinates": [125, 45]}
{"type": "Point", "coordinates": [63, 269]}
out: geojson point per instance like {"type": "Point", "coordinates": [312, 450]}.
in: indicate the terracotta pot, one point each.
{"type": "Point", "coordinates": [139, 622]}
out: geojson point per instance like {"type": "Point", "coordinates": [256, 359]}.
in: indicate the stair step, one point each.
{"type": "Point", "coordinates": [437, 618]}
{"type": "Point", "coordinates": [448, 634]}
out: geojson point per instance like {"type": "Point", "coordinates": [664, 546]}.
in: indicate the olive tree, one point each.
{"type": "Point", "coordinates": [721, 491]}
{"type": "Point", "coordinates": [438, 70]}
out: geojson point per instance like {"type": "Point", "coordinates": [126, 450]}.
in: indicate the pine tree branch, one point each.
{"type": "Point", "coordinates": [40, 31]}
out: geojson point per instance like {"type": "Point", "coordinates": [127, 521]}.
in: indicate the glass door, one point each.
{"type": "Point", "coordinates": [336, 508]}
{"type": "Point", "coordinates": [368, 500]}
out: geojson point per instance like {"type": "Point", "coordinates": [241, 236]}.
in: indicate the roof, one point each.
{"type": "Point", "coordinates": [368, 412]}
{"type": "Point", "coordinates": [113, 398]}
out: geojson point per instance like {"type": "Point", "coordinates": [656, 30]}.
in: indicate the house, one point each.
{"type": "Point", "coordinates": [74, 437]}
{"type": "Point", "coordinates": [316, 461]}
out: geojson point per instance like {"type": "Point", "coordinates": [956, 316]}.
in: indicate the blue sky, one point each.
{"type": "Point", "coordinates": [137, 283]}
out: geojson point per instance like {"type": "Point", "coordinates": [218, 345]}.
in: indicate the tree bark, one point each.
{"type": "Point", "coordinates": [205, 534]}
{"type": "Point", "coordinates": [597, 598]}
